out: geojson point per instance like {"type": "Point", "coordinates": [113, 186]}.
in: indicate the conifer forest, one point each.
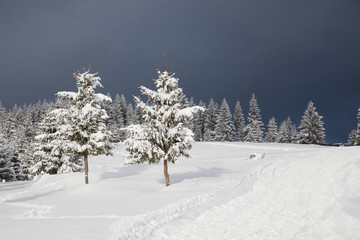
{"type": "Point", "coordinates": [35, 138]}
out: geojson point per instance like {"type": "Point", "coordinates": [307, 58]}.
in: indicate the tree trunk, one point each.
{"type": "Point", "coordinates": [86, 169]}
{"type": "Point", "coordinates": [167, 181]}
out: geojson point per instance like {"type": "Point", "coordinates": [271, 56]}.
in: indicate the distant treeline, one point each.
{"type": "Point", "coordinates": [19, 127]}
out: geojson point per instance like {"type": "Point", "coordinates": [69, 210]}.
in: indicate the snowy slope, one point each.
{"type": "Point", "coordinates": [295, 192]}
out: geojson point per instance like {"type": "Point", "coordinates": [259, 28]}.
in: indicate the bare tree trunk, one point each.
{"type": "Point", "coordinates": [86, 169]}
{"type": "Point", "coordinates": [167, 181]}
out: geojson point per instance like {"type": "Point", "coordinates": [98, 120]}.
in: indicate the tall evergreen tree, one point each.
{"type": "Point", "coordinates": [164, 135]}
{"type": "Point", "coordinates": [357, 135]}
{"type": "Point", "coordinates": [272, 131]}
{"type": "Point", "coordinates": [224, 130]}
{"type": "Point", "coordinates": [117, 119]}
{"type": "Point", "coordinates": [85, 128]}
{"type": "Point", "coordinates": [311, 126]}
{"type": "Point", "coordinates": [254, 130]}
{"type": "Point", "coordinates": [3, 119]}
{"type": "Point", "coordinates": [239, 122]}
{"type": "Point", "coordinates": [211, 116]}
{"type": "Point", "coordinates": [123, 108]}
{"type": "Point", "coordinates": [50, 146]}
{"type": "Point", "coordinates": [287, 132]}
{"type": "Point", "coordinates": [7, 172]}
{"type": "Point", "coordinates": [198, 123]}
{"type": "Point", "coordinates": [352, 138]}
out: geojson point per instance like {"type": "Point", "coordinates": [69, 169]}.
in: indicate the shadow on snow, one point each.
{"type": "Point", "coordinates": [201, 173]}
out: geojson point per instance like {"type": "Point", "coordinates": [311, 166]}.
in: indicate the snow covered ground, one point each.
{"type": "Point", "coordinates": [296, 192]}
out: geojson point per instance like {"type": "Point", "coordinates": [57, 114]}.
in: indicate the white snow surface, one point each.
{"type": "Point", "coordinates": [297, 192]}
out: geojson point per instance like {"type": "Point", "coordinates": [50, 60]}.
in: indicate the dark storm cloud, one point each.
{"type": "Point", "coordinates": [287, 52]}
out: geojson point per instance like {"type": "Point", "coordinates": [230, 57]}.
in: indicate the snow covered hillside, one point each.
{"type": "Point", "coordinates": [295, 192]}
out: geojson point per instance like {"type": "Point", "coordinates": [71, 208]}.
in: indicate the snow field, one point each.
{"type": "Point", "coordinates": [296, 192]}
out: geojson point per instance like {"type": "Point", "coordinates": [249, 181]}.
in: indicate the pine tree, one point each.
{"type": "Point", "coordinates": [352, 138]}
{"type": "Point", "coordinates": [311, 126]}
{"type": "Point", "coordinates": [254, 130]}
{"type": "Point", "coordinates": [272, 133]}
{"type": "Point", "coordinates": [7, 172]}
{"type": "Point", "coordinates": [287, 132]}
{"type": "Point", "coordinates": [239, 123]}
{"type": "Point", "coordinates": [224, 130]}
{"type": "Point", "coordinates": [50, 146]}
{"type": "Point", "coordinates": [117, 119]}
{"type": "Point", "coordinates": [131, 118]}
{"type": "Point", "coordinates": [357, 135]}
{"type": "Point", "coordinates": [123, 108]}
{"type": "Point", "coordinates": [3, 118]}
{"type": "Point", "coordinates": [164, 135]}
{"type": "Point", "coordinates": [84, 126]}
{"type": "Point", "coordinates": [25, 134]}
{"type": "Point", "coordinates": [198, 123]}
{"type": "Point", "coordinates": [211, 116]}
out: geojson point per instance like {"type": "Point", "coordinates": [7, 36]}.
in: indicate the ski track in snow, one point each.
{"type": "Point", "coordinates": [270, 209]}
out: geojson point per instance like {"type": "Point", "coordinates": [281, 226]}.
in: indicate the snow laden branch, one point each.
{"type": "Point", "coordinates": [164, 136]}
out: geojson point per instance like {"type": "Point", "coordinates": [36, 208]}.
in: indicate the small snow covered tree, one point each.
{"type": "Point", "coordinates": [50, 146]}
{"type": "Point", "coordinates": [224, 130]}
{"type": "Point", "coordinates": [287, 132]}
{"type": "Point", "coordinates": [84, 127]}
{"type": "Point", "coordinates": [211, 115]}
{"type": "Point", "coordinates": [272, 132]}
{"type": "Point", "coordinates": [357, 135]}
{"type": "Point", "coordinates": [163, 136]}
{"type": "Point", "coordinates": [198, 123]}
{"type": "Point", "coordinates": [311, 126]}
{"type": "Point", "coordinates": [9, 162]}
{"type": "Point", "coordinates": [352, 138]}
{"type": "Point", "coordinates": [254, 130]}
{"type": "Point", "coordinates": [239, 122]}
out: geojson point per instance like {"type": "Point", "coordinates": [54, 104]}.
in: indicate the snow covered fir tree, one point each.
{"type": "Point", "coordinates": [354, 136]}
{"type": "Point", "coordinates": [50, 145]}
{"type": "Point", "coordinates": [164, 136]}
{"type": "Point", "coordinates": [82, 124]}
{"type": "Point", "coordinates": [287, 132]}
{"type": "Point", "coordinates": [254, 130]}
{"type": "Point", "coordinates": [210, 121]}
{"type": "Point", "coordinates": [272, 132]}
{"type": "Point", "coordinates": [224, 129]}
{"type": "Point", "coordinates": [239, 123]}
{"type": "Point", "coordinates": [311, 127]}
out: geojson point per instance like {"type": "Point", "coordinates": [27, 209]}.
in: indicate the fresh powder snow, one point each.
{"type": "Point", "coordinates": [298, 192]}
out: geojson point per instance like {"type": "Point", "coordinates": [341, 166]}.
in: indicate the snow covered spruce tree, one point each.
{"type": "Point", "coordinates": [357, 131]}
{"type": "Point", "coordinates": [198, 123]}
{"type": "Point", "coordinates": [163, 136]}
{"type": "Point", "coordinates": [254, 130]}
{"type": "Point", "coordinates": [272, 132]}
{"type": "Point", "coordinates": [224, 130]}
{"type": "Point", "coordinates": [311, 126]}
{"type": "Point", "coordinates": [239, 122]}
{"type": "Point", "coordinates": [352, 138]}
{"type": "Point", "coordinates": [210, 121]}
{"type": "Point", "coordinates": [287, 132]}
{"type": "Point", "coordinates": [50, 145]}
{"type": "Point", "coordinates": [9, 162]}
{"type": "Point", "coordinates": [84, 127]}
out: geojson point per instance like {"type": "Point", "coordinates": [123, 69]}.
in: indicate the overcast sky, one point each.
{"type": "Point", "coordinates": [287, 52]}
